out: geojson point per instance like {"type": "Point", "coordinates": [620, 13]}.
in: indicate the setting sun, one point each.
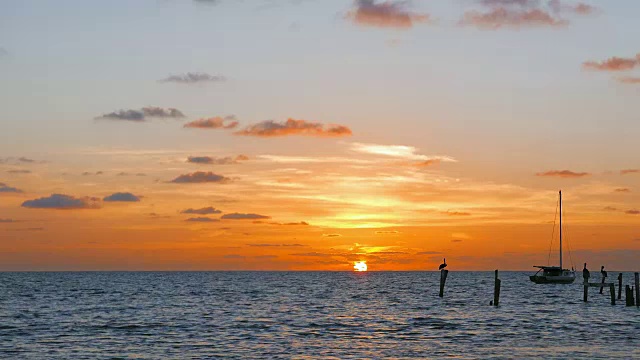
{"type": "Point", "coordinates": [360, 266]}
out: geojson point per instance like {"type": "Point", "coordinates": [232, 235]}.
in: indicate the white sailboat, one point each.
{"type": "Point", "coordinates": [554, 274]}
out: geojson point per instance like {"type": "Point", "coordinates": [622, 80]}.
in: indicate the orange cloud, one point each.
{"type": "Point", "coordinates": [200, 177]}
{"type": "Point", "coordinates": [622, 190]}
{"type": "Point", "coordinates": [217, 122]}
{"type": "Point", "coordinates": [522, 13]}
{"type": "Point", "coordinates": [629, 80]}
{"type": "Point", "coordinates": [270, 128]}
{"type": "Point", "coordinates": [632, 212]}
{"type": "Point", "coordinates": [629, 171]}
{"type": "Point", "coordinates": [563, 174]}
{"type": "Point", "coordinates": [387, 14]}
{"type": "Point", "coordinates": [613, 64]}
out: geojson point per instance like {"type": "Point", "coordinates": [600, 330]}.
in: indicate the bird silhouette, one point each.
{"type": "Point", "coordinates": [443, 265]}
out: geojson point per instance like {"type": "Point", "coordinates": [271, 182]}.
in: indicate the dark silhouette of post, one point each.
{"type": "Point", "coordinates": [586, 291]}
{"type": "Point", "coordinates": [585, 274]}
{"type": "Point", "coordinates": [443, 279]}
{"type": "Point", "coordinates": [628, 295]}
{"type": "Point", "coordinates": [496, 290]}
{"type": "Point", "coordinates": [612, 291]}
{"type": "Point", "coordinates": [604, 277]}
{"type": "Point", "coordinates": [620, 286]}
{"type": "Point", "coordinates": [637, 276]}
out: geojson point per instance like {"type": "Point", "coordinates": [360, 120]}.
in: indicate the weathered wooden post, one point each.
{"type": "Point", "coordinates": [620, 286]}
{"type": "Point", "coordinates": [443, 279]}
{"type": "Point", "coordinates": [637, 289]}
{"type": "Point", "coordinates": [496, 290]}
{"type": "Point", "coordinates": [612, 290]}
{"type": "Point", "coordinates": [586, 290]}
{"type": "Point", "coordinates": [628, 295]}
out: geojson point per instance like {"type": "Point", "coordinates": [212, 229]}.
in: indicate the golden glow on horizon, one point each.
{"type": "Point", "coordinates": [360, 266]}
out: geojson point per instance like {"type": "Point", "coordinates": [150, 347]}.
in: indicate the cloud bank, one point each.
{"type": "Point", "coordinates": [4, 188]}
{"type": "Point", "coordinates": [270, 128]}
{"type": "Point", "coordinates": [62, 202]}
{"type": "Point", "coordinates": [143, 114]}
{"type": "Point", "coordinates": [385, 14]}
{"type": "Point", "coordinates": [200, 177]}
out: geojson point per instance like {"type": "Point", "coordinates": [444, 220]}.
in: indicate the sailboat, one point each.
{"type": "Point", "coordinates": [554, 274]}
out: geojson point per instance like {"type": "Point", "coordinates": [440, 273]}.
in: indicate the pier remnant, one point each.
{"type": "Point", "coordinates": [443, 279]}
{"type": "Point", "coordinates": [620, 286]}
{"type": "Point", "coordinates": [586, 291]}
{"type": "Point", "coordinates": [496, 290]}
{"type": "Point", "coordinates": [628, 295]}
{"type": "Point", "coordinates": [612, 290]}
{"type": "Point", "coordinates": [637, 276]}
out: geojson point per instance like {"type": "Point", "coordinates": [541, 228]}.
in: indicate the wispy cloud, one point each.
{"type": "Point", "coordinates": [21, 171]}
{"type": "Point", "coordinates": [200, 177]}
{"type": "Point", "coordinates": [208, 160]}
{"type": "Point", "coordinates": [143, 114]}
{"type": "Point", "coordinates": [515, 14]}
{"type": "Point", "coordinates": [563, 174]}
{"type": "Point", "coordinates": [629, 171]}
{"type": "Point", "coordinates": [400, 151]}
{"type": "Point", "coordinates": [62, 202]}
{"type": "Point", "coordinates": [4, 188]}
{"type": "Point", "coordinates": [122, 197]}
{"type": "Point", "coordinates": [193, 78]}
{"type": "Point", "coordinates": [632, 212]}
{"type": "Point", "coordinates": [5, 221]}
{"type": "Point", "coordinates": [385, 14]}
{"type": "Point", "coordinates": [276, 245]}
{"type": "Point", "coordinates": [613, 64]}
{"type": "Point", "coordinates": [622, 190]}
{"type": "Point", "coordinates": [270, 128]}
{"type": "Point", "coordinates": [240, 216]}
{"type": "Point", "coordinates": [202, 211]}
{"type": "Point", "coordinates": [217, 122]}
{"type": "Point", "coordinates": [202, 219]}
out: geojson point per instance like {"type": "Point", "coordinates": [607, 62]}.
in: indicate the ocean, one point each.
{"type": "Point", "coordinates": [307, 315]}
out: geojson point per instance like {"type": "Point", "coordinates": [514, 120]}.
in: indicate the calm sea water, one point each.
{"type": "Point", "coordinates": [193, 315]}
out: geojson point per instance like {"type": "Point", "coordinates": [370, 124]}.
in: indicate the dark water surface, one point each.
{"type": "Point", "coordinates": [193, 315]}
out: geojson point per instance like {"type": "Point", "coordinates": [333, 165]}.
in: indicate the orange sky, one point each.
{"type": "Point", "coordinates": [301, 135]}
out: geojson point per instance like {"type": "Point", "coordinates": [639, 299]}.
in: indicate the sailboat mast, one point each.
{"type": "Point", "coordinates": [560, 230]}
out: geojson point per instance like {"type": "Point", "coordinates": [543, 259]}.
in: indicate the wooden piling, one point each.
{"type": "Point", "coordinates": [443, 279]}
{"type": "Point", "coordinates": [620, 286]}
{"type": "Point", "coordinates": [496, 290]}
{"type": "Point", "coordinates": [612, 290]}
{"type": "Point", "coordinates": [637, 275]}
{"type": "Point", "coordinates": [628, 296]}
{"type": "Point", "coordinates": [586, 291]}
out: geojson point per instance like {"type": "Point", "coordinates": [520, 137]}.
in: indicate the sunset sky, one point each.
{"type": "Point", "coordinates": [309, 134]}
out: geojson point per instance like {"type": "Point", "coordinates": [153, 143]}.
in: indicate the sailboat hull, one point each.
{"type": "Point", "coordinates": [541, 279]}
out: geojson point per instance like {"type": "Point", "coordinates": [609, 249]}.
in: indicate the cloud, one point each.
{"type": "Point", "coordinates": [516, 14]}
{"type": "Point", "coordinates": [213, 160]}
{"type": "Point", "coordinates": [631, 80]}
{"type": "Point", "coordinates": [387, 232]}
{"type": "Point", "coordinates": [234, 256]}
{"type": "Point", "coordinates": [270, 128]}
{"type": "Point", "coordinates": [240, 216]}
{"type": "Point", "coordinates": [313, 254]}
{"type": "Point", "coordinates": [19, 171]}
{"type": "Point", "coordinates": [457, 213]}
{"type": "Point", "coordinates": [4, 188]}
{"type": "Point", "coordinates": [266, 257]}
{"type": "Point", "coordinates": [429, 253]}
{"type": "Point", "coordinates": [613, 64]}
{"type": "Point", "coordinates": [4, 221]}
{"type": "Point", "coordinates": [632, 212]}
{"type": "Point", "coordinates": [456, 240]}
{"type": "Point", "coordinates": [62, 202]}
{"type": "Point", "coordinates": [276, 245]}
{"type": "Point", "coordinates": [610, 208]}
{"type": "Point", "coordinates": [121, 197]}
{"type": "Point", "coordinates": [217, 122]}
{"type": "Point", "coordinates": [385, 14]}
{"type": "Point", "coordinates": [629, 171]}
{"type": "Point", "coordinates": [25, 160]}
{"type": "Point", "coordinates": [200, 177]}
{"type": "Point", "coordinates": [202, 219]}
{"type": "Point", "coordinates": [622, 190]}
{"type": "Point", "coordinates": [400, 151]}
{"type": "Point", "coordinates": [331, 235]}
{"type": "Point", "coordinates": [202, 211]}
{"type": "Point", "coordinates": [143, 114]}
{"type": "Point", "coordinates": [193, 78]}
{"type": "Point", "coordinates": [563, 174]}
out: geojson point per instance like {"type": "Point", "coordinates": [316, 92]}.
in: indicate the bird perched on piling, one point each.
{"type": "Point", "coordinates": [443, 265]}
